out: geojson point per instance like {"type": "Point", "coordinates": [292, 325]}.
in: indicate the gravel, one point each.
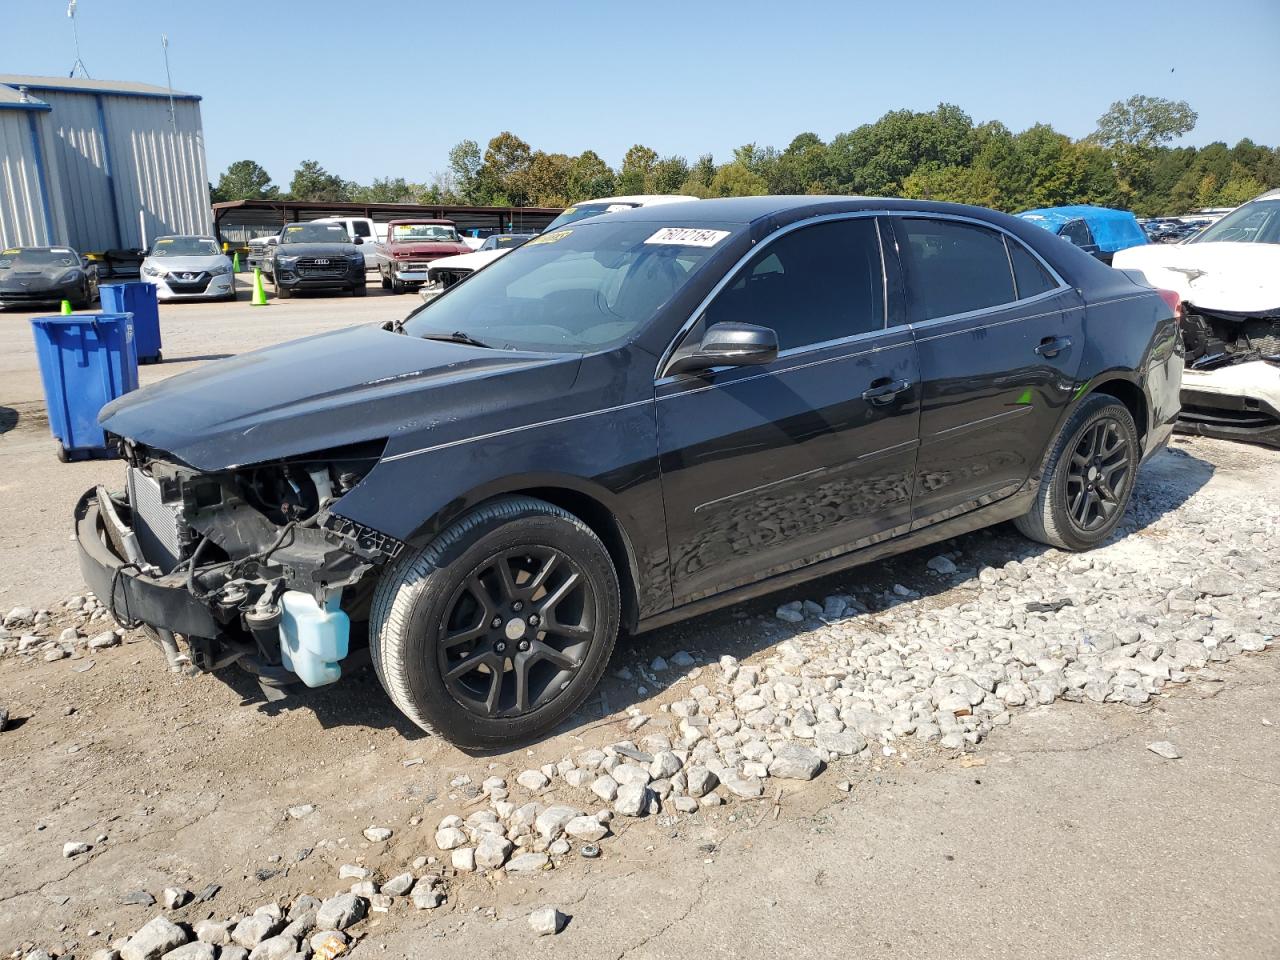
{"type": "Point", "coordinates": [1163, 748]}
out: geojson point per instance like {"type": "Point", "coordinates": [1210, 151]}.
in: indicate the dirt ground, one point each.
{"type": "Point", "coordinates": [1061, 834]}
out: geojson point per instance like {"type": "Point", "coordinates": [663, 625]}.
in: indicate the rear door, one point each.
{"type": "Point", "coordinates": [1000, 340]}
{"type": "Point", "coordinates": [768, 468]}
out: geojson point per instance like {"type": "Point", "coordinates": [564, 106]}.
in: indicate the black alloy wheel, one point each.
{"type": "Point", "coordinates": [1098, 475]}
{"type": "Point", "coordinates": [516, 632]}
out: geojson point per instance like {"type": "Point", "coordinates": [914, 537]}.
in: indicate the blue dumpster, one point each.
{"type": "Point", "coordinates": [86, 361]}
{"type": "Point", "coordinates": [140, 300]}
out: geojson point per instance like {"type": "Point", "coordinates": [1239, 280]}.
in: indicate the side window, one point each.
{"type": "Point", "coordinates": [1029, 276]}
{"type": "Point", "coordinates": [361, 228]}
{"type": "Point", "coordinates": [954, 267]}
{"type": "Point", "coordinates": [1077, 232]}
{"type": "Point", "coordinates": [818, 283]}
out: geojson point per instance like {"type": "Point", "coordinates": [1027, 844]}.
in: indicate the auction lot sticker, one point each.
{"type": "Point", "coordinates": [688, 237]}
{"type": "Point", "coordinates": [549, 238]}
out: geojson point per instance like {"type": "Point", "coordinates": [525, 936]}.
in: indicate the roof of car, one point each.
{"type": "Point", "coordinates": [420, 221]}
{"type": "Point", "coordinates": [785, 209]}
{"type": "Point", "coordinates": [1079, 211]}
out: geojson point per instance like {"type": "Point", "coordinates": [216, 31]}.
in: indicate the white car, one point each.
{"type": "Point", "coordinates": [594, 208]}
{"type": "Point", "coordinates": [189, 268]}
{"type": "Point", "coordinates": [447, 271]}
{"type": "Point", "coordinates": [1228, 277]}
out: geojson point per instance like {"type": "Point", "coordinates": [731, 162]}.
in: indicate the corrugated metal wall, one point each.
{"type": "Point", "coordinates": [119, 157]}
{"type": "Point", "coordinates": [31, 211]}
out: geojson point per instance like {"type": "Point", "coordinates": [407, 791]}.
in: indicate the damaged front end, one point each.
{"type": "Point", "coordinates": [250, 565]}
{"type": "Point", "coordinates": [1231, 386]}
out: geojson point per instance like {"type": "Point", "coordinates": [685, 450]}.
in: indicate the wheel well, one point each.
{"type": "Point", "coordinates": [605, 526]}
{"type": "Point", "coordinates": [1132, 397]}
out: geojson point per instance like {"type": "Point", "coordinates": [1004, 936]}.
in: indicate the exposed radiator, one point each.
{"type": "Point", "coordinates": [160, 531]}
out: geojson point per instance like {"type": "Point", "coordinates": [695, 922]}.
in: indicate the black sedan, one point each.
{"type": "Point", "coordinates": [45, 276]}
{"type": "Point", "coordinates": [317, 256]}
{"type": "Point", "coordinates": [621, 424]}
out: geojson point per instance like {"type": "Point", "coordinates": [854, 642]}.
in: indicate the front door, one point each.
{"type": "Point", "coordinates": [1000, 339]}
{"type": "Point", "coordinates": [769, 468]}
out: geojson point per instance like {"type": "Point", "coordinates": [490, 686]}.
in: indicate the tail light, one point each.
{"type": "Point", "coordinates": [1175, 303]}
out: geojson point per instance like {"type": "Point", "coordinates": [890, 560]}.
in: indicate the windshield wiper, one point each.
{"type": "Point", "coordinates": [458, 336]}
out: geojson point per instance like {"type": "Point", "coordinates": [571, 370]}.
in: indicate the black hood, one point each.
{"type": "Point", "coordinates": [361, 383]}
{"type": "Point", "coordinates": [38, 279]}
{"type": "Point", "coordinates": [317, 249]}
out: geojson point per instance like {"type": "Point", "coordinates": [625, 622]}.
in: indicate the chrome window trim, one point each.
{"type": "Point", "coordinates": [1062, 287]}
{"type": "Point", "coordinates": [732, 273]}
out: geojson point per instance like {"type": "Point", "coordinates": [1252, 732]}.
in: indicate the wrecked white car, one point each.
{"type": "Point", "coordinates": [1228, 277]}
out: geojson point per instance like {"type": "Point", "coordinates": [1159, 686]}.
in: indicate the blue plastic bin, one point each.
{"type": "Point", "coordinates": [140, 300]}
{"type": "Point", "coordinates": [86, 361]}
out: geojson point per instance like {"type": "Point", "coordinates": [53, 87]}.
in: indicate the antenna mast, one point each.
{"type": "Point", "coordinates": [75, 32]}
{"type": "Point", "coordinates": [164, 42]}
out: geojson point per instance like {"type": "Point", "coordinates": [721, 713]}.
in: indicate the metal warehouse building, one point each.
{"type": "Point", "coordinates": [99, 164]}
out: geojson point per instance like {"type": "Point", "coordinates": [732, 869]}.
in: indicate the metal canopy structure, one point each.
{"type": "Point", "coordinates": [238, 221]}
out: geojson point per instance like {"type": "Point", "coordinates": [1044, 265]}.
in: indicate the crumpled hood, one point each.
{"type": "Point", "coordinates": [1232, 277]}
{"type": "Point", "coordinates": [347, 386]}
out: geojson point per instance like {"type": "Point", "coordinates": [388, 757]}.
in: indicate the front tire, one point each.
{"type": "Point", "coordinates": [498, 629]}
{"type": "Point", "coordinates": [1087, 479]}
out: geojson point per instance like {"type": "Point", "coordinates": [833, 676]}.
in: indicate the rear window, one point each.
{"type": "Point", "coordinates": [1030, 277]}
{"type": "Point", "coordinates": [955, 267]}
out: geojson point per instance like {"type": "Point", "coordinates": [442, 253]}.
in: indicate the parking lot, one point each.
{"type": "Point", "coordinates": [1040, 837]}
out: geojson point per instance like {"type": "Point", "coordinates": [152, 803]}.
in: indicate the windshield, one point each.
{"type": "Point", "coordinates": [315, 233]}
{"type": "Point", "coordinates": [184, 247]}
{"type": "Point", "coordinates": [505, 241]}
{"type": "Point", "coordinates": [583, 210]}
{"type": "Point", "coordinates": [574, 290]}
{"type": "Point", "coordinates": [1256, 222]}
{"type": "Point", "coordinates": [38, 257]}
{"type": "Point", "coordinates": [424, 231]}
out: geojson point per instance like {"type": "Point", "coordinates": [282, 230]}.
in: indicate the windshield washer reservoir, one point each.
{"type": "Point", "coordinates": [313, 638]}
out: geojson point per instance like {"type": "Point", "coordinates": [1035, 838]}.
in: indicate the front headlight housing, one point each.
{"type": "Point", "coordinates": [150, 271]}
{"type": "Point", "coordinates": [71, 276]}
{"type": "Point", "coordinates": [286, 261]}
{"type": "Point", "coordinates": [220, 270]}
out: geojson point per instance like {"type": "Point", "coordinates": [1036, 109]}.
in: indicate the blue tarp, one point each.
{"type": "Point", "coordinates": [1112, 229]}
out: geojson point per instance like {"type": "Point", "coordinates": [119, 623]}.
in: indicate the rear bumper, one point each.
{"type": "Point", "coordinates": [130, 595]}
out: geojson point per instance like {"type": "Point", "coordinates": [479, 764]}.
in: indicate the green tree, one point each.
{"type": "Point", "coordinates": [1133, 130]}
{"type": "Point", "coordinates": [636, 170]}
{"type": "Point", "coordinates": [736, 180]}
{"type": "Point", "coordinates": [875, 158]}
{"type": "Point", "coordinates": [245, 180]}
{"type": "Point", "coordinates": [667, 175]}
{"type": "Point", "coordinates": [502, 176]}
{"type": "Point", "coordinates": [698, 182]}
{"type": "Point", "coordinates": [804, 167]}
{"type": "Point", "coordinates": [312, 182]}
{"type": "Point", "coordinates": [464, 167]}
{"type": "Point", "coordinates": [546, 179]}
{"type": "Point", "coordinates": [589, 177]}
{"type": "Point", "coordinates": [388, 190]}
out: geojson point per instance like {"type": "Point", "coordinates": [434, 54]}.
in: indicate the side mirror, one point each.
{"type": "Point", "coordinates": [729, 345]}
{"type": "Point", "coordinates": [357, 240]}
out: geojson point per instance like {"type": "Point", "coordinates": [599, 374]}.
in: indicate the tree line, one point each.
{"type": "Point", "coordinates": [939, 154]}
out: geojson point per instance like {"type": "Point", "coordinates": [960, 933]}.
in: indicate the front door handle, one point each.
{"type": "Point", "coordinates": [1052, 346]}
{"type": "Point", "coordinates": [883, 391]}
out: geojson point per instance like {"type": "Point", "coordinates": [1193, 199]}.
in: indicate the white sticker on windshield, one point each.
{"type": "Point", "coordinates": [688, 237]}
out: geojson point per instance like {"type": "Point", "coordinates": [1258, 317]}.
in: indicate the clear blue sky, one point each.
{"type": "Point", "coordinates": [375, 89]}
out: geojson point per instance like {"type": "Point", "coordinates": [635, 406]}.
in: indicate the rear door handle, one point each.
{"type": "Point", "coordinates": [883, 391]}
{"type": "Point", "coordinates": [1052, 346]}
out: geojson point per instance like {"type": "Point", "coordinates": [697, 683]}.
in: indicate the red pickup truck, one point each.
{"type": "Point", "coordinates": [410, 247]}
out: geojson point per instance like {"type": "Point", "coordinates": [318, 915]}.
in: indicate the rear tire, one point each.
{"type": "Point", "coordinates": [386, 281]}
{"type": "Point", "coordinates": [442, 614]}
{"type": "Point", "coordinates": [1087, 478]}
